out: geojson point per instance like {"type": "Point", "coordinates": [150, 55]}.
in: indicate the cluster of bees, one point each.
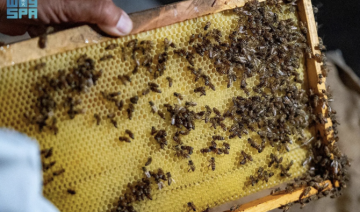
{"type": "Point", "coordinates": [78, 80]}
{"type": "Point", "coordinates": [261, 45]}
{"type": "Point", "coordinates": [213, 147]}
{"type": "Point", "coordinates": [261, 175]}
{"type": "Point", "coordinates": [141, 190]}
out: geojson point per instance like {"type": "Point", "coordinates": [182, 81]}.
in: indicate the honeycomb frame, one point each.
{"type": "Point", "coordinates": [71, 147]}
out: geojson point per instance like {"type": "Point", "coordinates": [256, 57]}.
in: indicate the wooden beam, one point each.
{"type": "Point", "coordinates": [313, 67]}
{"type": "Point", "coordinates": [275, 201]}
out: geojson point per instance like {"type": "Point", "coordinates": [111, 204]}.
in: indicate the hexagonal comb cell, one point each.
{"type": "Point", "coordinates": [98, 166]}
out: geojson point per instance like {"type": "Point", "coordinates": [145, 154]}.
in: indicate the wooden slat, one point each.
{"type": "Point", "coordinates": [275, 201]}
{"type": "Point", "coordinates": [313, 67]}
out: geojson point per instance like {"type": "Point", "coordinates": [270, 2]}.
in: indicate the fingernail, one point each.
{"type": "Point", "coordinates": [124, 25]}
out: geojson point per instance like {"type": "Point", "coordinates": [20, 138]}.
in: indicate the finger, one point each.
{"type": "Point", "coordinates": [104, 13]}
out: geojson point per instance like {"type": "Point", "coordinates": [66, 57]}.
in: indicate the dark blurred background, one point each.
{"type": "Point", "coordinates": [339, 25]}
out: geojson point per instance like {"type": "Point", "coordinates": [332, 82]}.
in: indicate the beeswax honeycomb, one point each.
{"type": "Point", "coordinates": [99, 167]}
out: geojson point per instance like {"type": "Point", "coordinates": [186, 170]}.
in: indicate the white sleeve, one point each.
{"type": "Point", "coordinates": [20, 175]}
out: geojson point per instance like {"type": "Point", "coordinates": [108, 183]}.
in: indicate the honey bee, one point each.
{"type": "Point", "coordinates": [303, 28]}
{"type": "Point", "coordinates": [285, 171]}
{"type": "Point", "coordinates": [156, 90]}
{"type": "Point", "coordinates": [146, 172]}
{"type": "Point", "coordinates": [212, 86]}
{"type": "Point", "coordinates": [191, 165]}
{"type": "Point", "coordinates": [226, 145]}
{"type": "Point", "coordinates": [71, 191]}
{"type": "Point", "coordinates": [58, 172]}
{"type": "Point", "coordinates": [153, 107]}
{"type": "Point", "coordinates": [253, 180]}
{"type": "Point", "coordinates": [168, 43]}
{"type": "Point", "coordinates": [134, 99]}
{"type": "Point", "coordinates": [258, 147]}
{"type": "Point", "coordinates": [184, 132]}
{"type": "Point", "coordinates": [131, 134]}
{"type": "Point", "coordinates": [146, 92]}
{"type": "Point", "coordinates": [207, 25]}
{"type": "Point", "coordinates": [205, 150]}
{"type": "Point", "coordinates": [48, 180]}
{"type": "Point", "coordinates": [213, 122]}
{"type": "Point", "coordinates": [123, 138]}
{"type": "Point", "coordinates": [122, 79]}
{"type": "Point", "coordinates": [111, 115]}
{"type": "Point", "coordinates": [179, 96]}
{"type": "Point", "coordinates": [192, 39]}
{"type": "Point", "coordinates": [234, 208]}
{"type": "Point", "coordinates": [212, 163]}
{"type": "Point", "coordinates": [46, 166]}
{"type": "Point", "coordinates": [190, 58]}
{"type": "Point", "coordinates": [200, 90]}
{"type": "Point", "coordinates": [275, 191]}
{"type": "Point", "coordinates": [148, 162]}
{"type": "Point", "coordinates": [199, 115]}
{"type": "Point", "coordinates": [275, 159]}
{"type": "Point", "coordinates": [160, 137]}
{"type": "Point", "coordinates": [223, 126]}
{"type": "Point", "coordinates": [107, 57]}
{"type": "Point", "coordinates": [47, 152]}
{"type": "Point", "coordinates": [217, 112]}
{"type": "Point", "coordinates": [169, 178]}
{"type": "Point", "coordinates": [162, 57]}
{"type": "Point", "coordinates": [114, 122]}
{"type": "Point", "coordinates": [42, 43]}
{"type": "Point", "coordinates": [135, 70]}
{"type": "Point", "coordinates": [305, 192]}
{"type": "Point", "coordinates": [188, 148]}
{"type": "Point", "coordinates": [98, 119]}
{"type": "Point", "coordinates": [147, 61]}
{"type": "Point", "coordinates": [170, 81]}
{"type": "Point", "coordinates": [192, 206]}
{"type": "Point", "coordinates": [153, 130]}
{"type": "Point", "coordinates": [177, 139]}
{"type": "Point", "coordinates": [126, 77]}
{"type": "Point", "coordinates": [181, 153]}
{"type": "Point", "coordinates": [247, 157]}
{"type": "Point", "coordinates": [181, 52]}
{"type": "Point", "coordinates": [119, 104]}
{"type": "Point", "coordinates": [129, 112]}
{"type": "Point", "coordinates": [123, 53]}
{"type": "Point", "coordinates": [111, 46]}
{"type": "Point", "coordinates": [285, 207]}
{"type": "Point", "coordinates": [190, 104]}
{"type": "Point", "coordinates": [39, 66]}
{"type": "Point", "coordinates": [218, 137]}
{"type": "Point", "coordinates": [161, 114]}
{"type": "Point", "coordinates": [132, 43]}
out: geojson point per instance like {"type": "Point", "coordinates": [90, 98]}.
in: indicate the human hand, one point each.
{"type": "Point", "coordinates": [111, 19]}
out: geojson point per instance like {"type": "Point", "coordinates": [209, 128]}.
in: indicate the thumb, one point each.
{"type": "Point", "coordinates": [110, 18]}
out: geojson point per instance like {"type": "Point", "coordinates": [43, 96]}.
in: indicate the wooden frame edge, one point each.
{"type": "Point", "coordinates": [275, 201]}
{"type": "Point", "coordinates": [313, 67]}
{"type": "Point", "coordinates": [163, 16]}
